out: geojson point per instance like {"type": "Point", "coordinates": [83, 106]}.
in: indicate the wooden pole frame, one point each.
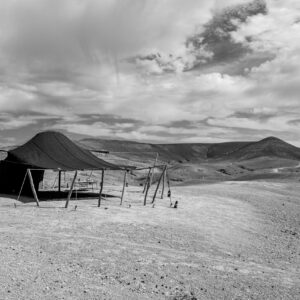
{"type": "Point", "coordinates": [158, 184]}
{"type": "Point", "coordinates": [33, 188]}
{"type": "Point", "coordinates": [101, 188]}
{"type": "Point", "coordinates": [163, 183]}
{"type": "Point", "coordinates": [146, 193]}
{"type": "Point", "coordinates": [22, 185]}
{"type": "Point", "coordinates": [123, 190]}
{"type": "Point", "coordinates": [146, 181]}
{"type": "Point", "coordinates": [71, 190]}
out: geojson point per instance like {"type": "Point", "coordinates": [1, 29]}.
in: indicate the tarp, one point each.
{"type": "Point", "coordinates": [53, 150]}
{"type": "Point", "coordinates": [46, 150]}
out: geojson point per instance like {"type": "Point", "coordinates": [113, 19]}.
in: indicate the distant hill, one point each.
{"type": "Point", "coordinates": [268, 147]}
{"type": "Point", "coordinates": [198, 163]}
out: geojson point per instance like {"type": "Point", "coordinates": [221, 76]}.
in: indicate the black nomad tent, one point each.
{"type": "Point", "coordinates": [45, 151]}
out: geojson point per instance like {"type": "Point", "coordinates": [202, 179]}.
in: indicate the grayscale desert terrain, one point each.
{"type": "Point", "coordinates": [149, 149]}
{"type": "Point", "coordinates": [226, 240]}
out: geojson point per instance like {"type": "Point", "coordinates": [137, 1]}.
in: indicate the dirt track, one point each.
{"type": "Point", "coordinates": [225, 241]}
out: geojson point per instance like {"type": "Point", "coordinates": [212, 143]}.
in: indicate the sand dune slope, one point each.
{"type": "Point", "coordinates": [234, 240]}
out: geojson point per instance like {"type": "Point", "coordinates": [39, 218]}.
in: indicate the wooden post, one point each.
{"type": "Point", "coordinates": [33, 188]}
{"type": "Point", "coordinates": [163, 183]}
{"type": "Point", "coordinates": [22, 186]}
{"type": "Point", "coordinates": [124, 184]}
{"type": "Point", "coordinates": [101, 188]}
{"type": "Point", "coordinates": [59, 180]}
{"type": "Point", "coordinates": [146, 182]}
{"type": "Point", "coordinates": [146, 192]}
{"type": "Point", "coordinates": [71, 190]}
{"type": "Point", "coordinates": [158, 183]}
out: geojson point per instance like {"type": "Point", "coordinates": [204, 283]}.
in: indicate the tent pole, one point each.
{"type": "Point", "coordinates": [101, 189]}
{"type": "Point", "coordinates": [146, 181]}
{"type": "Point", "coordinates": [33, 188]}
{"type": "Point", "coordinates": [22, 186]}
{"type": "Point", "coordinates": [158, 184]}
{"type": "Point", "coordinates": [71, 190]}
{"type": "Point", "coordinates": [124, 184]}
{"type": "Point", "coordinates": [163, 183]}
{"type": "Point", "coordinates": [146, 193]}
{"type": "Point", "coordinates": [59, 180]}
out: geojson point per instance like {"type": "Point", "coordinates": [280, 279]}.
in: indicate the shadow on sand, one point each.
{"type": "Point", "coordinates": [57, 196]}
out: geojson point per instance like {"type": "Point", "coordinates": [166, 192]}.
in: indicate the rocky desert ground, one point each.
{"type": "Point", "coordinates": [226, 240]}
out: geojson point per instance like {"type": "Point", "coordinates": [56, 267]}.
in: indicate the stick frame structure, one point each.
{"type": "Point", "coordinates": [71, 190]}
{"type": "Point", "coordinates": [158, 184]}
{"type": "Point", "coordinates": [146, 181]}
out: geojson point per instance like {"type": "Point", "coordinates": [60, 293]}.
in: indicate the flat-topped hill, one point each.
{"type": "Point", "coordinates": [268, 147]}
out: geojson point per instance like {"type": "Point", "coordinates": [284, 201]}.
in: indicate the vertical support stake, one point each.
{"type": "Point", "coordinates": [59, 180]}
{"type": "Point", "coordinates": [124, 184]}
{"type": "Point", "coordinates": [146, 181]}
{"type": "Point", "coordinates": [33, 188]}
{"type": "Point", "coordinates": [146, 193]}
{"type": "Point", "coordinates": [101, 189]}
{"type": "Point", "coordinates": [71, 190]}
{"type": "Point", "coordinates": [163, 183]}
{"type": "Point", "coordinates": [22, 185]}
{"type": "Point", "coordinates": [158, 184]}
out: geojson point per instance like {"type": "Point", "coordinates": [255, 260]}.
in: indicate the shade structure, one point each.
{"type": "Point", "coordinates": [53, 150]}
{"type": "Point", "coordinates": [47, 150]}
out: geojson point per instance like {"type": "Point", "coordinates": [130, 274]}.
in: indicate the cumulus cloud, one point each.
{"type": "Point", "coordinates": [229, 68]}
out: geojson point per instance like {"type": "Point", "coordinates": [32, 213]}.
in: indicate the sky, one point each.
{"type": "Point", "coordinates": [159, 71]}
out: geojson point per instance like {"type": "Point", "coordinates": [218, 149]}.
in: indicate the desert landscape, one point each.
{"type": "Point", "coordinates": [149, 149]}
{"type": "Point", "coordinates": [234, 235]}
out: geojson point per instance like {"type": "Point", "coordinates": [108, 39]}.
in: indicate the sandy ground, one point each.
{"type": "Point", "coordinates": [234, 240]}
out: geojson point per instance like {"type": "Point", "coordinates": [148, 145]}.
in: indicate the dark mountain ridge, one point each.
{"type": "Point", "coordinates": [180, 152]}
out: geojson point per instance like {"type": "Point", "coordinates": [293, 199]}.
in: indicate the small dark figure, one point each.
{"type": "Point", "coordinates": [129, 205]}
{"type": "Point", "coordinates": [171, 204]}
{"type": "Point", "coordinates": [169, 193]}
{"type": "Point", "coordinates": [75, 207]}
{"type": "Point", "coordinates": [15, 205]}
{"type": "Point", "coordinates": [176, 204]}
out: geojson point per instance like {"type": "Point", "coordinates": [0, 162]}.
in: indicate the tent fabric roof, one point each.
{"type": "Point", "coordinates": [53, 150]}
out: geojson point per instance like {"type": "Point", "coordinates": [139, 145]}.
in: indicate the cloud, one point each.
{"type": "Point", "coordinates": [10, 121]}
{"type": "Point", "coordinates": [211, 43]}
{"type": "Point", "coordinates": [159, 70]}
{"type": "Point", "coordinates": [94, 30]}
